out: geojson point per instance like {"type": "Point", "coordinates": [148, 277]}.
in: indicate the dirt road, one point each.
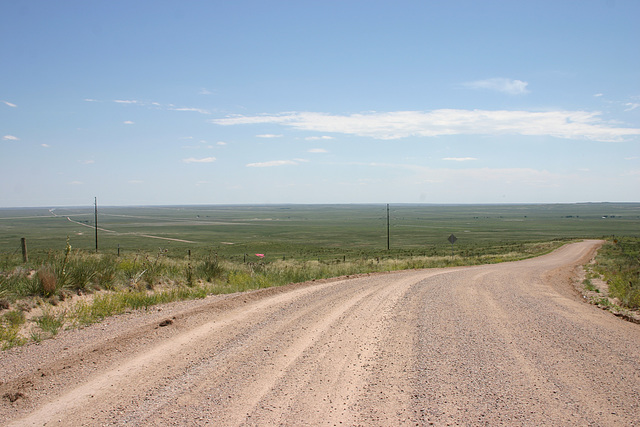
{"type": "Point", "coordinates": [498, 344]}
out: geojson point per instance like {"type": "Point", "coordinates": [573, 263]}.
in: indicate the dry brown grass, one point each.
{"type": "Point", "coordinates": [48, 280]}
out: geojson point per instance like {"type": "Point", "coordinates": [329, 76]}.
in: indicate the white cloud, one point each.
{"type": "Point", "coordinates": [10, 104]}
{"type": "Point", "coordinates": [45, 145]}
{"type": "Point", "coordinates": [221, 143]}
{"type": "Point", "coordinates": [196, 110]}
{"type": "Point", "coordinates": [508, 86]}
{"type": "Point", "coordinates": [317, 150]}
{"type": "Point", "coordinates": [631, 106]}
{"type": "Point", "coordinates": [597, 95]}
{"type": "Point", "coordinates": [87, 162]}
{"type": "Point", "coordinates": [10, 138]}
{"type": "Point", "coordinates": [271, 164]}
{"type": "Point", "coordinates": [204, 91]}
{"type": "Point", "coordinates": [128, 122]}
{"type": "Point", "coordinates": [268, 135]}
{"type": "Point", "coordinates": [90, 100]}
{"type": "Point", "coordinates": [459, 159]}
{"type": "Point", "coordinates": [316, 138]}
{"type": "Point", "coordinates": [202, 160]}
{"type": "Point", "coordinates": [157, 105]}
{"type": "Point", "coordinates": [403, 124]}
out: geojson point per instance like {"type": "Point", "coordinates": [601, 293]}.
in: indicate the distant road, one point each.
{"type": "Point", "coordinates": [498, 344]}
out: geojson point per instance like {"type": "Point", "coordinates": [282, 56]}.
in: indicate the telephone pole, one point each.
{"type": "Point", "coordinates": [96, 221]}
{"type": "Point", "coordinates": [388, 237]}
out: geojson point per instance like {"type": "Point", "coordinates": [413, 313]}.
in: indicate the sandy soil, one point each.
{"type": "Point", "coordinates": [499, 344]}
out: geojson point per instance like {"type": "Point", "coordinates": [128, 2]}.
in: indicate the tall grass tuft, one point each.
{"type": "Point", "coordinates": [210, 269]}
{"type": "Point", "coordinates": [48, 280]}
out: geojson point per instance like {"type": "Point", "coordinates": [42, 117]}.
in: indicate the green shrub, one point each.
{"type": "Point", "coordinates": [49, 322]}
{"type": "Point", "coordinates": [209, 270]}
{"type": "Point", "coordinates": [10, 324]}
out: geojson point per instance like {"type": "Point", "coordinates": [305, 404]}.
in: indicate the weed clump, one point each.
{"type": "Point", "coordinates": [48, 281]}
{"type": "Point", "coordinates": [10, 324]}
{"type": "Point", "coordinates": [210, 269]}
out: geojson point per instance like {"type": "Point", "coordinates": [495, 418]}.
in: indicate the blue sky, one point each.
{"type": "Point", "coordinates": [226, 102]}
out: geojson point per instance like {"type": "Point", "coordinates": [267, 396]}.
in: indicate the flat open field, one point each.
{"type": "Point", "coordinates": [309, 230]}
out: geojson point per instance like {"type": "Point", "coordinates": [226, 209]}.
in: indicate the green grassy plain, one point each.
{"type": "Point", "coordinates": [310, 231]}
{"type": "Point", "coordinates": [184, 252]}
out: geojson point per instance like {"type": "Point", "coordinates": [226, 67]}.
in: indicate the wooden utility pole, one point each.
{"type": "Point", "coordinates": [96, 222]}
{"type": "Point", "coordinates": [388, 236]}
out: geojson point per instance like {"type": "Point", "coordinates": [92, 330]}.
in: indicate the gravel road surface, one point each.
{"type": "Point", "coordinates": [503, 344]}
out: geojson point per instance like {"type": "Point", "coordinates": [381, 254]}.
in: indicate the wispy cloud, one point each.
{"type": "Point", "coordinates": [10, 104]}
{"type": "Point", "coordinates": [87, 162]}
{"type": "Point", "coordinates": [317, 138]}
{"type": "Point", "coordinates": [459, 159]}
{"type": "Point", "coordinates": [508, 86]}
{"type": "Point", "coordinates": [631, 106]}
{"type": "Point", "coordinates": [128, 122]}
{"type": "Point", "coordinates": [272, 163]}
{"type": "Point", "coordinates": [45, 145]}
{"type": "Point", "coordinates": [196, 110]}
{"type": "Point", "coordinates": [317, 150]}
{"type": "Point", "coordinates": [221, 143]}
{"type": "Point", "coordinates": [268, 135]}
{"type": "Point", "coordinates": [202, 160]}
{"type": "Point", "coordinates": [403, 124]}
{"type": "Point", "coordinates": [10, 138]}
{"type": "Point", "coordinates": [157, 105]}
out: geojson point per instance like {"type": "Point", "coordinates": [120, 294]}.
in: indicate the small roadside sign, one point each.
{"type": "Point", "coordinates": [452, 239]}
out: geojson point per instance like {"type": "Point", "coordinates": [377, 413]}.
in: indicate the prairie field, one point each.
{"type": "Point", "coordinates": [153, 255]}
{"type": "Point", "coordinates": [309, 231]}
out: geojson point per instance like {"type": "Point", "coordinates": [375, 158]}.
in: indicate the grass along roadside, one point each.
{"type": "Point", "coordinates": [612, 280]}
{"type": "Point", "coordinates": [75, 289]}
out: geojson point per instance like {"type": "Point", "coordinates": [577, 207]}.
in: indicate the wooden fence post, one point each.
{"type": "Point", "coordinates": [23, 242]}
